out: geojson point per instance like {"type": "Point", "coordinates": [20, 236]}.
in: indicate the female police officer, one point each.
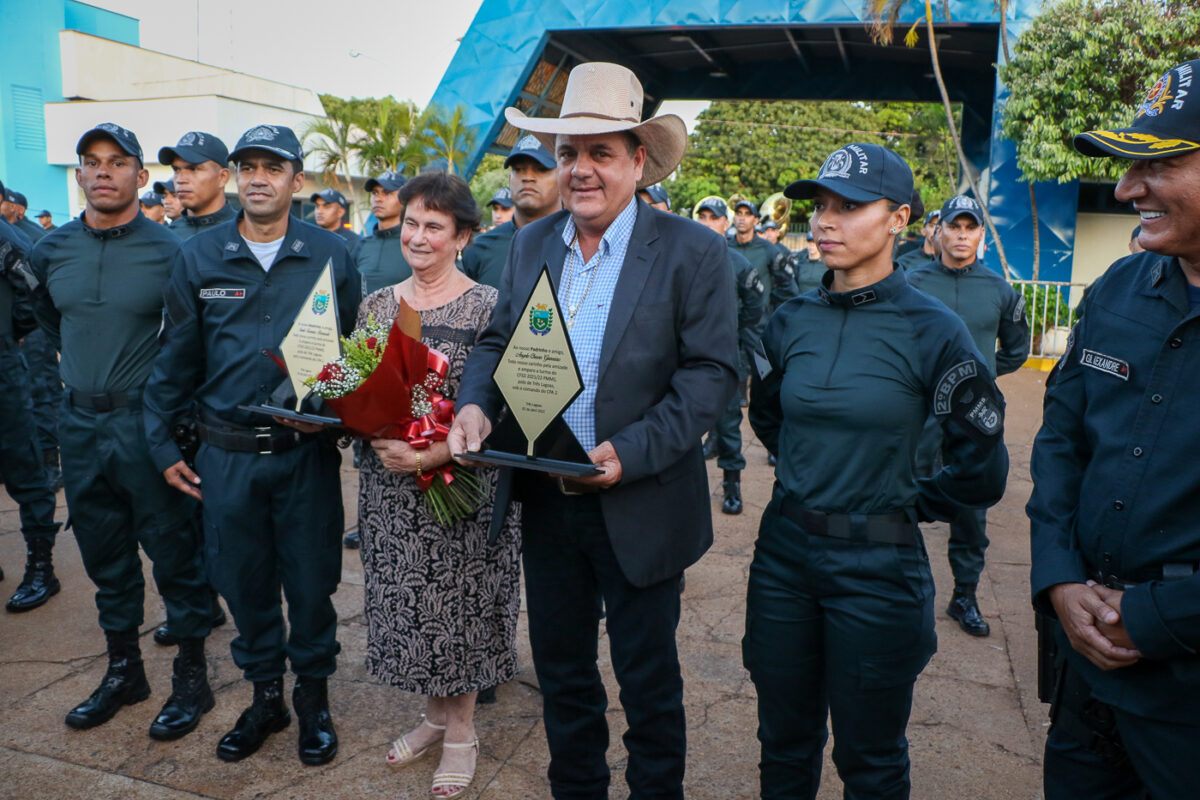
{"type": "Point", "coordinates": [840, 603]}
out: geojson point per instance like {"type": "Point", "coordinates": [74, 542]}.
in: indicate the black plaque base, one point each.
{"type": "Point", "coordinates": [550, 465]}
{"type": "Point", "coordinates": [284, 413]}
{"type": "Point", "coordinates": [556, 451]}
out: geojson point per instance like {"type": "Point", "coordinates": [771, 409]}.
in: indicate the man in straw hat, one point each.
{"type": "Point", "coordinates": [648, 300]}
{"type": "Point", "coordinates": [1116, 493]}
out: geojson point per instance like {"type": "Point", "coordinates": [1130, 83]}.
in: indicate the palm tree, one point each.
{"type": "Point", "coordinates": [450, 138]}
{"type": "Point", "coordinates": [334, 141]}
{"type": "Point", "coordinates": [884, 15]}
{"type": "Point", "coordinates": [393, 138]}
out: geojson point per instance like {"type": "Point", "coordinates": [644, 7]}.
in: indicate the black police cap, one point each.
{"type": "Point", "coordinates": [195, 147]}
{"type": "Point", "coordinates": [860, 173]}
{"type": "Point", "coordinates": [123, 139]}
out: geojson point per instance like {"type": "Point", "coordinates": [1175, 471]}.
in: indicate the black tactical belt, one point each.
{"type": "Point", "coordinates": [263, 441]}
{"type": "Point", "coordinates": [105, 401]}
{"type": "Point", "coordinates": [894, 528]}
{"type": "Point", "coordinates": [1172, 571]}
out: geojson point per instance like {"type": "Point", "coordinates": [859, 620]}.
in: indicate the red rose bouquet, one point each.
{"type": "Point", "coordinates": [387, 384]}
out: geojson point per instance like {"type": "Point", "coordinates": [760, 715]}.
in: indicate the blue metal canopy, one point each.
{"type": "Point", "coordinates": [518, 53]}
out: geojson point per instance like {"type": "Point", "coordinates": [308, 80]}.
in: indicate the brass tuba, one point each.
{"type": "Point", "coordinates": [777, 208]}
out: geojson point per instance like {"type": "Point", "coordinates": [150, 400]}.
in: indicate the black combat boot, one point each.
{"type": "Point", "coordinates": [964, 608]}
{"type": "Point", "coordinates": [164, 637]}
{"type": "Point", "coordinates": [733, 492]}
{"type": "Point", "coordinates": [318, 740]}
{"type": "Point", "coordinates": [39, 583]}
{"type": "Point", "coordinates": [123, 685]}
{"type": "Point", "coordinates": [191, 697]}
{"type": "Point", "coordinates": [352, 541]}
{"type": "Point", "coordinates": [266, 715]}
{"type": "Point", "coordinates": [53, 472]}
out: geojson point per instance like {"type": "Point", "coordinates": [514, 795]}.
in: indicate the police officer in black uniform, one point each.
{"type": "Point", "coordinates": [532, 182]}
{"type": "Point", "coordinates": [100, 302]}
{"type": "Point", "coordinates": [170, 200]}
{"type": "Point", "coordinates": [380, 260]}
{"type": "Point", "coordinates": [928, 252]}
{"type": "Point", "coordinates": [152, 207]}
{"type": "Point", "coordinates": [839, 616]}
{"type": "Point", "coordinates": [200, 166]}
{"type": "Point", "coordinates": [726, 436]}
{"type": "Point", "coordinates": [19, 205]}
{"type": "Point", "coordinates": [47, 220]}
{"type": "Point", "coordinates": [46, 385]}
{"type": "Point", "coordinates": [994, 312]}
{"type": "Point", "coordinates": [774, 270]}
{"type": "Point", "coordinates": [809, 267]}
{"type": "Point", "coordinates": [1116, 493]}
{"type": "Point", "coordinates": [271, 493]}
{"type": "Point", "coordinates": [21, 468]}
{"type": "Point", "coordinates": [501, 206]}
{"type": "Point", "coordinates": [332, 210]}
{"type": "Point", "coordinates": [656, 196]}
{"type": "Point", "coordinates": [200, 163]}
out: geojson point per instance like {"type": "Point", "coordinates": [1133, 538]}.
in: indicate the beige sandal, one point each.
{"type": "Point", "coordinates": [456, 782]}
{"type": "Point", "coordinates": [403, 754]}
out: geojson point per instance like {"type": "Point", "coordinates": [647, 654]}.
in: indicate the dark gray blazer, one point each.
{"type": "Point", "coordinates": [667, 370]}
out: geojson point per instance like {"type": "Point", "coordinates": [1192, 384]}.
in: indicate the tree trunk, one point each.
{"type": "Point", "coordinates": [962, 156]}
{"type": "Point", "coordinates": [1033, 216]}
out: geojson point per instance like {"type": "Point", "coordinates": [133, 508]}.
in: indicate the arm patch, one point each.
{"type": "Point", "coordinates": [942, 395]}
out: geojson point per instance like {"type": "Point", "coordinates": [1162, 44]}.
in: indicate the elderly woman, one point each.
{"type": "Point", "coordinates": [839, 611]}
{"type": "Point", "coordinates": [441, 602]}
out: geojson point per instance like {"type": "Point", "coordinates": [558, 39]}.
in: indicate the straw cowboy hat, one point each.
{"type": "Point", "coordinates": [607, 98]}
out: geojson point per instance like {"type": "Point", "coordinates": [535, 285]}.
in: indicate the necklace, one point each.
{"type": "Point", "coordinates": [573, 308]}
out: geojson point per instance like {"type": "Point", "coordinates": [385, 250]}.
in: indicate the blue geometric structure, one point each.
{"type": "Point", "coordinates": [518, 52]}
{"type": "Point", "coordinates": [30, 77]}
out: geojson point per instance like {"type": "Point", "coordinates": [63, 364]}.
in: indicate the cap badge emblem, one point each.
{"type": "Point", "coordinates": [528, 142]}
{"type": "Point", "coordinates": [263, 133]}
{"type": "Point", "coordinates": [836, 166]}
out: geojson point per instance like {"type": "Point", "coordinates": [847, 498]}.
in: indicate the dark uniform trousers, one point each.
{"type": "Point", "coordinates": [569, 568]}
{"type": "Point", "coordinates": [854, 618]}
{"type": "Point", "coordinates": [728, 429]}
{"type": "Point", "coordinates": [46, 385]}
{"type": "Point", "coordinates": [968, 531]}
{"type": "Point", "coordinates": [118, 500]}
{"type": "Point", "coordinates": [270, 522]}
{"type": "Point", "coordinates": [1160, 760]}
{"type": "Point", "coordinates": [20, 459]}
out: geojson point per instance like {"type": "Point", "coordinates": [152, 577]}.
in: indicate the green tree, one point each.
{"type": "Point", "coordinates": [883, 15]}
{"type": "Point", "coordinates": [1087, 64]}
{"type": "Point", "coordinates": [449, 137]}
{"type": "Point", "coordinates": [489, 176]}
{"type": "Point", "coordinates": [333, 140]}
{"type": "Point", "coordinates": [756, 148]}
{"type": "Point", "coordinates": [393, 138]}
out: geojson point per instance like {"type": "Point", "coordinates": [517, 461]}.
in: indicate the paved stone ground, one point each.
{"type": "Point", "coordinates": [977, 728]}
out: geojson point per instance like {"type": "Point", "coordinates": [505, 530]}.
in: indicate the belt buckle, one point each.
{"type": "Point", "coordinates": [262, 438]}
{"type": "Point", "coordinates": [562, 487]}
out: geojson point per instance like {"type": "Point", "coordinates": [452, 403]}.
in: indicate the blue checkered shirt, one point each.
{"type": "Point", "coordinates": [587, 330]}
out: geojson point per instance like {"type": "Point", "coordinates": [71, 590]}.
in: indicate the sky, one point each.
{"type": "Point", "coordinates": [403, 46]}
